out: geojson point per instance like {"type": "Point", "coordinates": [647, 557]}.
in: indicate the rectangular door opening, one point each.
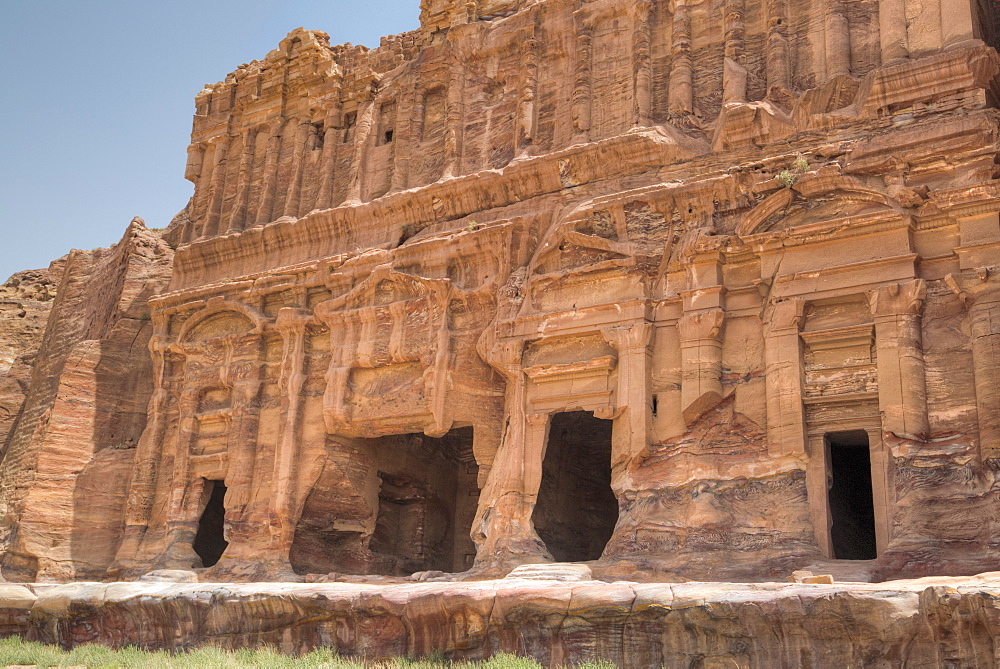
{"type": "Point", "coordinates": [210, 541]}
{"type": "Point", "coordinates": [577, 510]}
{"type": "Point", "coordinates": [428, 494]}
{"type": "Point", "coordinates": [851, 498]}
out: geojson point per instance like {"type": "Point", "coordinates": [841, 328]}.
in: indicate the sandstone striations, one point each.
{"type": "Point", "coordinates": [927, 623]}
{"type": "Point", "coordinates": [25, 302]}
{"type": "Point", "coordinates": [680, 289]}
{"type": "Point", "coordinates": [66, 466]}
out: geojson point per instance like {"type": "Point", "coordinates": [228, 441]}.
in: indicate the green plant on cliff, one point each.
{"type": "Point", "coordinates": [787, 178]}
{"type": "Point", "coordinates": [800, 165]}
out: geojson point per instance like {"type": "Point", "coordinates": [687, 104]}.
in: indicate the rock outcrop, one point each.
{"type": "Point", "coordinates": [682, 289]}
{"type": "Point", "coordinates": [25, 302]}
{"type": "Point", "coordinates": [672, 290]}
{"type": "Point", "coordinates": [65, 473]}
{"type": "Point", "coordinates": [924, 623]}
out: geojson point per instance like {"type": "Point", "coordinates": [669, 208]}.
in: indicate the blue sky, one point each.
{"type": "Point", "coordinates": [96, 99]}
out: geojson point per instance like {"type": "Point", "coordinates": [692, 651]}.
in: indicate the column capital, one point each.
{"type": "Point", "coordinates": [898, 299]}
{"type": "Point", "coordinates": [788, 314]}
{"type": "Point", "coordinates": [701, 325]}
{"type": "Point", "coordinates": [635, 336]}
{"type": "Point", "coordinates": [537, 419]}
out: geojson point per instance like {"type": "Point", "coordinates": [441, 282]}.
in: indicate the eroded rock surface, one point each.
{"type": "Point", "coordinates": [681, 290]}
{"type": "Point", "coordinates": [928, 623]}
{"type": "Point", "coordinates": [25, 302]}
{"type": "Point", "coordinates": [66, 468]}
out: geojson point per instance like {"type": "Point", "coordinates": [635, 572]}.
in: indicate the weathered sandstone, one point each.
{"type": "Point", "coordinates": [68, 457]}
{"type": "Point", "coordinates": [670, 290]}
{"type": "Point", "coordinates": [25, 302]}
{"type": "Point", "coordinates": [609, 282]}
{"type": "Point", "coordinates": [933, 622]}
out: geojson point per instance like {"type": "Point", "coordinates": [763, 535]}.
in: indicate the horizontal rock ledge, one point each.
{"type": "Point", "coordinates": [914, 623]}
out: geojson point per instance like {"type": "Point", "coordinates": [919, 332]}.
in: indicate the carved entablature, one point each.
{"type": "Point", "coordinates": [390, 347]}
{"type": "Point", "coordinates": [571, 373]}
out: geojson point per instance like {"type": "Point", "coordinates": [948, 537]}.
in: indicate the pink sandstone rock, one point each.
{"type": "Point", "coordinates": [670, 290]}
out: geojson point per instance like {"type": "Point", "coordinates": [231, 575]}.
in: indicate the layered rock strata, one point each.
{"type": "Point", "coordinates": [65, 472]}
{"type": "Point", "coordinates": [935, 622]}
{"type": "Point", "coordinates": [25, 302]}
{"type": "Point", "coordinates": [683, 290]}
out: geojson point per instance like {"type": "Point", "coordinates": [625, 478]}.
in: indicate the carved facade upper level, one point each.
{"type": "Point", "coordinates": [483, 84]}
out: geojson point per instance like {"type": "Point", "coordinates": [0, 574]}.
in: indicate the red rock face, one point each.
{"type": "Point", "coordinates": [687, 290]}
{"type": "Point", "coordinates": [25, 302]}
{"type": "Point", "coordinates": [66, 468]}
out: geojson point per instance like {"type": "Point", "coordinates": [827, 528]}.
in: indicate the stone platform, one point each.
{"type": "Point", "coordinates": [929, 622]}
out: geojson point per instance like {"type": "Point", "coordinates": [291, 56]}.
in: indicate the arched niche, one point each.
{"type": "Point", "coordinates": [218, 324]}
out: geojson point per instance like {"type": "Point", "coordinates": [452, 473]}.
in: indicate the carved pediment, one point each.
{"type": "Point", "coordinates": [575, 250]}
{"type": "Point", "coordinates": [382, 287]}
{"type": "Point", "coordinates": [220, 318]}
{"type": "Point", "coordinates": [816, 199]}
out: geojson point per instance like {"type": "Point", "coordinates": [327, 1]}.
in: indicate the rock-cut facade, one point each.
{"type": "Point", "coordinates": [682, 289]}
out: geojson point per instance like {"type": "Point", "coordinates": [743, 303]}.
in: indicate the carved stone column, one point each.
{"type": "Point", "coordinates": [681, 88]}
{"type": "Point", "coordinates": [582, 86]}
{"type": "Point", "coordinates": [142, 491]}
{"type": "Point", "coordinates": [455, 121]}
{"type": "Point", "coordinates": [185, 494]}
{"type": "Point", "coordinates": [281, 513]}
{"type": "Point", "coordinates": [528, 114]}
{"type": "Point", "coordinates": [217, 188]}
{"type": "Point", "coordinates": [238, 218]}
{"type": "Point", "coordinates": [633, 413]}
{"type": "Point", "coordinates": [902, 389]}
{"type": "Point", "coordinates": [642, 60]}
{"type": "Point", "coordinates": [244, 535]}
{"type": "Point", "coordinates": [838, 40]}
{"type": "Point", "coordinates": [503, 531]}
{"type": "Point", "coordinates": [734, 73]}
{"type": "Point", "coordinates": [366, 122]}
{"type": "Point", "coordinates": [327, 163]}
{"type": "Point", "coordinates": [269, 181]}
{"type": "Point", "coordinates": [701, 362]}
{"type": "Point", "coordinates": [201, 159]}
{"type": "Point", "coordinates": [777, 46]}
{"type": "Point", "coordinates": [786, 423]}
{"type": "Point", "coordinates": [892, 29]}
{"type": "Point", "coordinates": [304, 138]}
{"type": "Point", "coordinates": [984, 317]}
{"type": "Point", "coordinates": [404, 139]}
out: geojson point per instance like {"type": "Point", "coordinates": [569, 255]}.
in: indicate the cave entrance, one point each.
{"type": "Point", "coordinates": [210, 540]}
{"type": "Point", "coordinates": [576, 511]}
{"type": "Point", "coordinates": [428, 494]}
{"type": "Point", "coordinates": [851, 498]}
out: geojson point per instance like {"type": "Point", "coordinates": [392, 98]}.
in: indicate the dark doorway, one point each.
{"type": "Point", "coordinates": [428, 494]}
{"type": "Point", "coordinates": [852, 507]}
{"type": "Point", "coordinates": [210, 541]}
{"type": "Point", "coordinates": [576, 511]}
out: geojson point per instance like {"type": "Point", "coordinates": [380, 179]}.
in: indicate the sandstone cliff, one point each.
{"type": "Point", "coordinates": [25, 303]}
{"type": "Point", "coordinates": [682, 289]}
{"type": "Point", "coordinates": [922, 624]}
{"type": "Point", "coordinates": [68, 458]}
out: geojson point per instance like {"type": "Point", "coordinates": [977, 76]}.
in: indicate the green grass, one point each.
{"type": "Point", "coordinates": [15, 650]}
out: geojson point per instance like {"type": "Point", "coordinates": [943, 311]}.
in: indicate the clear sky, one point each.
{"type": "Point", "coordinates": [96, 99]}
